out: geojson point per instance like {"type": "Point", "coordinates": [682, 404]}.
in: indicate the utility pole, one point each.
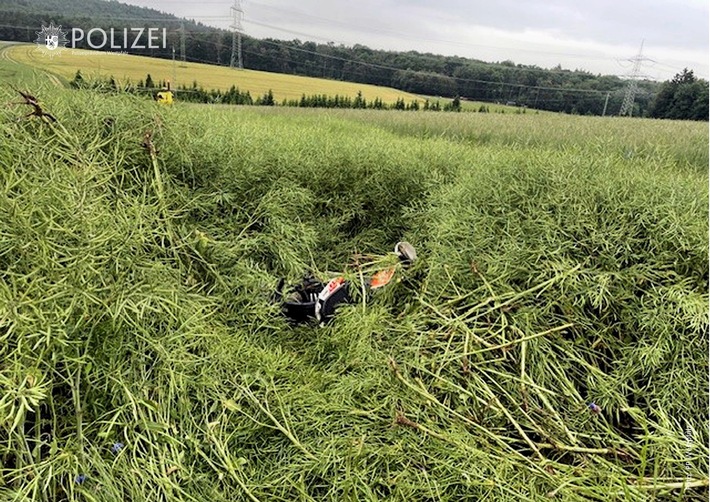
{"type": "Point", "coordinates": [627, 107]}
{"type": "Point", "coordinates": [182, 44]}
{"type": "Point", "coordinates": [174, 70]}
{"type": "Point", "coordinates": [606, 102]}
{"type": "Point", "coordinates": [236, 26]}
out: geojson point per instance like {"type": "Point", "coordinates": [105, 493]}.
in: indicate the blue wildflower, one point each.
{"type": "Point", "coordinates": [595, 408]}
{"type": "Point", "coordinates": [80, 479]}
{"type": "Point", "coordinates": [117, 447]}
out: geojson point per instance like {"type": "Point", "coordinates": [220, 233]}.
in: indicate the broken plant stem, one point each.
{"type": "Point", "coordinates": [516, 341]}
{"type": "Point", "coordinates": [283, 428]}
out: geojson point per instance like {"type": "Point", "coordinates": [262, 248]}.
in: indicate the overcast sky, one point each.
{"type": "Point", "coordinates": [595, 35]}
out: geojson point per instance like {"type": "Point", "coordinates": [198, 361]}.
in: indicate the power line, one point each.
{"type": "Point", "coordinates": [469, 61]}
{"type": "Point", "coordinates": [198, 60]}
{"type": "Point", "coordinates": [460, 79]}
{"type": "Point", "coordinates": [499, 84]}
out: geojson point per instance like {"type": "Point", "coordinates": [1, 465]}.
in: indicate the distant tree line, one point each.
{"type": "Point", "coordinates": [559, 90]}
{"type": "Point", "coordinates": [683, 97]}
{"type": "Point", "coordinates": [198, 94]}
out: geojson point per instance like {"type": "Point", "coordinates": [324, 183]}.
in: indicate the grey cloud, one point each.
{"type": "Point", "coordinates": [670, 24]}
{"type": "Point", "coordinates": [675, 25]}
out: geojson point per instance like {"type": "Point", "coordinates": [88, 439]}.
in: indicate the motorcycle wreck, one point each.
{"type": "Point", "coordinates": [313, 300]}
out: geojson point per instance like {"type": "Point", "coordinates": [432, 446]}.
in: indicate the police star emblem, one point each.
{"type": "Point", "coordinates": [51, 40]}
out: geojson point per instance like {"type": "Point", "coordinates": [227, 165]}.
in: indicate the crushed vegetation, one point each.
{"type": "Point", "coordinates": [550, 342]}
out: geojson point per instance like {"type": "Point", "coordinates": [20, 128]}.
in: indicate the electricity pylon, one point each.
{"type": "Point", "coordinates": [627, 106]}
{"type": "Point", "coordinates": [236, 26]}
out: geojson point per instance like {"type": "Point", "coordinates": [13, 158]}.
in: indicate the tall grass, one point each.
{"type": "Point", "coordinates": [135, 306]}
{"type": "Point", "coordinates": [616, 139]}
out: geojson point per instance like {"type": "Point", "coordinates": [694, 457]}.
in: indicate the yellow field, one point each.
{"type": "Point", "coordinates": [123, 66]}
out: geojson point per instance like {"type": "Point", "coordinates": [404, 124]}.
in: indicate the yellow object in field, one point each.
{"type": "Point", "coordinates": [165, 97]}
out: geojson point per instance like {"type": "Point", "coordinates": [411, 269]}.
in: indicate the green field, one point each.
{"type": "Point", "coordinates": [563, 262]}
